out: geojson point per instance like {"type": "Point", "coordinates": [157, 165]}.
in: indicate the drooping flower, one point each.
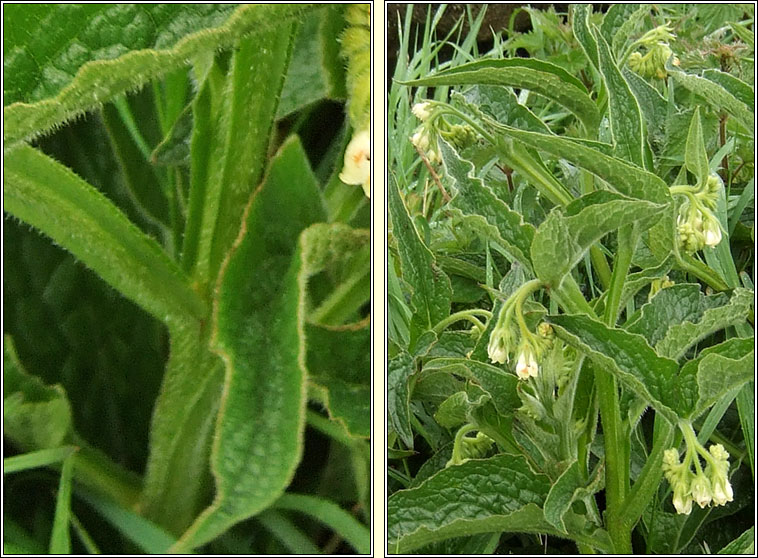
{"type": "Point", "coordinates": [357, 167]}
{"type": "Point", "coordinates": [701, 490]}
{"type": "Point", "coordinates": [526, 366]}
{"type": "Point", "coordinates": [712, 232]}
{"type": "Point", "coordinates": [422, 111]}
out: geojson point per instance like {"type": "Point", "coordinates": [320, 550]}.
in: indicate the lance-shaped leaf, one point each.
{"type": "Point", "coordinates": [431, 287]}
{"type": "Point", "coordinates": [563, 239]}
{"type": "Point", "coordinates": [501, 385]}
{"type": "Point", "coordinates": [51, 198]}
{"type": "Point", "coordinates": [399, 370]}
{"type": "Point", "coordinates": [35, 415]}
{"type": "Point", "coordinates": [735, 86]}
{"type": "Point", "coordinates": [695, 157]}
{"type": "Point", "coordinates": [259, 332]}
{"type": "Point", "coordinates": [480, 496]}
{"type": "Point", "coordinates": [716, 95]}
{"type": "Point", "coordinates": [474, 198]}
{"type": "Point", "coordinates": [65, 59]}
{"type": "Point", "coordinates": [682, 336]}
{"type": "Point", "coordinates": [625, 355]}
{"type": "Point", "coordinates": [623, 177]}
{"type": "Point", "coordinates": [624, 113]}
{"type": "Point", "coordinates": [569, 488]}
{"type": "Point", "coordinates": [716, 371]}
{"type": "Point", "coordinates": [523, 73]}
{"type": "Point", "coordinates": [580, 14]}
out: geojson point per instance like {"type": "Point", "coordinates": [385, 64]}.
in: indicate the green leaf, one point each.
{"type": "Point", "coordinates": [339, 362]}
{"type": "Point", "coordinates": [454, 410]}
{"type": "Point", "coordinates": [68, 69]}
{"type": "Point", "coordinates": [653, 106]}
{"type": "Point", "coordinates": [231, 163]}
{"type": "Point", "coordinates": [570, 487]}
{"type": "Point", "coordinates": [627, 356]}
{"type": "Point", "coordinates": [699, 379]}
{"type": "Point", "coordinates": [315, 62]}
{"type": "Point", "coordinates": [682, 336]}
{"type": "Point", "coordinates": [744, 544]}
{"type": "Point", "coordinates": [35, 415]}
{"type": "Point", "coordinates": [501, 103]}
{"type": "Point", "coordinates": [480, 496]}
{"type": "Point", "coordinates": [624, 114]}
{"type": "Point", "coordinates": [474, 198]}
{"type": "Point", "coordinates": [623, 177]}
{"type": "Point", "coordinates": [563, 239]}
{"type": "Point", "coordinates": [695, 157]}
{"type": "Point", "coordinates": [329, 513]}
{"type": "Point", "coordinates": [431, 287]}
{"type": "Point", "coordinates": [524, 73]}
{"type": "Point", "coordinates": [499, 494]}
{"type": "Point", "coordinates": [145, 534]}
{"type": "Point", "coordinates": [738, 88]}
{"type": "Point", "coordinates": [287, 533]}
{"type": "Point", "coordinates": [40, 458]}
{"type": "Point", "coordinates": [580, 26]}
{"type": "Point", "coordinates": [499, 384]}
{"type": "Point", "coordinates": [399, 369]}
{"type": "Point", "coordinates": [60, 539]}
{"type": "Point", "coordinates": [715, 95]}
{"type": "Point", "coordinates": [670, 306]}
{"type": "Point", "coordinates": [51, 198]}
{"type": "Point", "coordinates": [259, 333]}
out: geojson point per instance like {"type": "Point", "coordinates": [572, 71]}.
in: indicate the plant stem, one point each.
{"type": "Point", "coordinates": [463, 315]}
{"type": "Point", "coordinates": [702, 272]}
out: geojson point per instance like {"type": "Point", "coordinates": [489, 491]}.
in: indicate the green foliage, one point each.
{"type": "Point", "coordinates": [202, 285]}
{"type": "Point", "coordinates": [561, 188]}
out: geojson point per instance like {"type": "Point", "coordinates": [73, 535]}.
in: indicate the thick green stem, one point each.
{"type": "Point", "coordinates": [627, 238]}
{"type": "Point", "coordinates": [463, 315]}
{"type": "Point", "coordinates": [702, 272]}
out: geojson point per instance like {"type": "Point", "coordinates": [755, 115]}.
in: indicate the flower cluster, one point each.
{"type": "Point", "coordinates": [697, 226]}
{"type": "Point", "coordinates": [509, 338]}
{"type": "Point", "coordinates": [653, 63]}
{"type": "Point", "coordinates": [705, 486]}
{"type": "Point", "coordinates": [425, 136]}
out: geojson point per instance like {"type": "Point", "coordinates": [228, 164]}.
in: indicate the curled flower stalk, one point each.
{"type": "Point", "coordinates": [697, 226]}
{"type": "Point", "coordinates": [511, 336]}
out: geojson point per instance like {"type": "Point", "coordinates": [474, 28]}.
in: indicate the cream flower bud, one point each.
{"type": "Point", "coordinates": [701, 491]}
{"type": "Point", "coordinates": [712, 232]}
{"type": "Point", "coordinates": [722, 491]}
{"type": "Point", "coordinates": [497, 350]}
{"type": "Point", "coordinates": [357, 167]}
{"type": "Point", "coordinates": [422, 111]}
{"type": "Point", "coordinates": [420, 139]}
{"type": "Point", "coordinates": [526, 366]}
{"type": "Point", "coordinates": [682, 502]}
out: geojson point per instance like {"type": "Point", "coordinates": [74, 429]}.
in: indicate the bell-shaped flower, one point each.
{"type": "Point", "coordinates": [357, 167]}
{"type": "Point", "coordinates": [712, 232]}
{"type": "Point", "coordinates": [422, 111]}
{"type": "Point", "coordinates": [701, 490]}
{"type": "Point", "coordinates": [526, 365]}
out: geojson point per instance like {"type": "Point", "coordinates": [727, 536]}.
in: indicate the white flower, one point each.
{"type": "Point", "coordinates": [722, 491]}
{"type": "Point", "coordinates": [526, 365]}
{"type": "Point", "coordinates": [421, 111]}
{"type": "Point", "coordinates": [497, 350]}
{"type": "Point", "coordinates": [701, 491]}
{"type": "Point", "coordinates": [712, 232]}
{"type": "Point", "coordinates": [357, 168]}
{"type": "Point", "coordinates": [420, 139]}
{"type": "Point", "coordinates": [682, 500]}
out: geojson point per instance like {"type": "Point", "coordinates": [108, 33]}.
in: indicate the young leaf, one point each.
{"type": "Point", "coordinates": [50, 197]}
{"type": "Point", "coordinates": [695, 157]}
{"type": "Point", "coordinates": [35, 416]}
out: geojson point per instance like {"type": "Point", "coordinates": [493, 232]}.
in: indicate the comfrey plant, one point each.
{"type": "Point", "coordinates": [583, 212]}
{"type": "Point", "coordinates": [186, 278]}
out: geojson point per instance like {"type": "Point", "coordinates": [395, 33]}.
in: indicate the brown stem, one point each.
{"type": "Point", "coordinates": [435, 176]}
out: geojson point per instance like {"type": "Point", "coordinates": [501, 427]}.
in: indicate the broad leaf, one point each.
{"type": "Point", "coordinates": [627, 356]}
{"type": "Point", "coordinates": [563, 239]}
{"type": "Point", "coordinates": [76, 60]}
{"type": "Point", "coordinates": [399, 370]}
{"type": "Point", "coordinates": [259, 333]}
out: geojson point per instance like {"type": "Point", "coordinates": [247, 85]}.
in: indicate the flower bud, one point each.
{"type": "Point", "coordinates": [422, 111]}
{"type": "Point", "coordinates": [420, 139]}
{"type": "Point", "coordinates": [701, 490]}
{"type": "Point", "coordinates": [712, 232]}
